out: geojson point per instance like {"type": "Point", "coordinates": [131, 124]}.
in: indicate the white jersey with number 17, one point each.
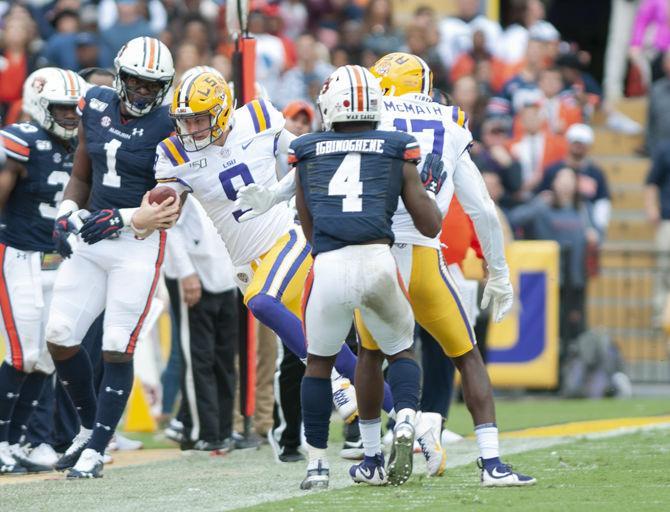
{"type": "Point", "coordinates": [438, 129]}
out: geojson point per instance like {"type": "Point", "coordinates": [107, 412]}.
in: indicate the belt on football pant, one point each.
{"type": "Point", "coordinates": [51, 260]}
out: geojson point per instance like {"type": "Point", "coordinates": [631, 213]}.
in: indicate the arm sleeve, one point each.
{"type": "Point", "coordinates": [284, 140]}
{"type": "Point", "coordinates": [476, 202]}
{"type": "Point", "coordinates": [600, 214]}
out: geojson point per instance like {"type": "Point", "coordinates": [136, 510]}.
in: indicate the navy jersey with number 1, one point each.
{"type": "Point", "coordinates": [122, 150]}
{"type": "Point", "coordinates": [351, 183]}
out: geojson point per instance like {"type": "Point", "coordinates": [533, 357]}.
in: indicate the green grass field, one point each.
{"type": "Point", "coordinates": [616, 472]}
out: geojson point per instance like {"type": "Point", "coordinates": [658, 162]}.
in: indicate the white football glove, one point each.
{"type": "Point", "coordinates": [255, 198]}
{"type": "Point", "coordinates": [498, 290]}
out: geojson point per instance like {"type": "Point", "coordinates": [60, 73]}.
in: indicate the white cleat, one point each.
{"type": "Point", "coordinates": [501, 475]}
{"type": "Point", "coordinates": [401, 460]}
{"type": "Point", "coordinates": [428, 436]}
{"type": "Point", "coordinates": [40, 459]}
{"type": "Point", "coordinates": [318, 476]}
{"type": "Point", "coordinates": [344, 397]}
{"type": "Point", "coordinates": [72, 454]}
{"type": "Point", "coordinates": [371, 471]}
{"type": "Point", "coordinates": [89, 465]}
{"type": "Point", "coordinates": [122, 443]}
{"type": "Point", "coordinates": [8, 464]}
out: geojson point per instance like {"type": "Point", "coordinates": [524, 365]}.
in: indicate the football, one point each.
{"type": "Point", "coordinates": [160, 194]}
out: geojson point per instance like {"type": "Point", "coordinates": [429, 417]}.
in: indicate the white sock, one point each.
{"type": "Point", "coordinates": [315, 455]}
{"type": "Point", "coordinates": [371, 432]}
{"type": "Point", "coordinates": [406, 414]}
{"type": "Point", "coordinates": [487, 440]}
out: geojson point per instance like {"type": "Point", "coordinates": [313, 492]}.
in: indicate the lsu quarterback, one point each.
{"type": "Point", "coordinates": [217, 150]}
{"type": "Point", "coordinates": [39, 157]}
{"type": "Point", "coordinates": [406, 81]}
{"type": "Point", "coordinates": [109, 268]}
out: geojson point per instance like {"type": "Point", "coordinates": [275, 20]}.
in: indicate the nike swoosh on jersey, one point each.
{"type": "Point", "coordinates": [245, 146]}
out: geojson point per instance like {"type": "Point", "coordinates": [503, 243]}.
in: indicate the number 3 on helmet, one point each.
{"type": "Point", "coordinates": [202, 107]}
{"type": "Point", "coordinates": [350, 94]}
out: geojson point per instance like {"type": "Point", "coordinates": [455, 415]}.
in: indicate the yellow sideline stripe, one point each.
{"type": "Point", "coordinates": [579, 428]}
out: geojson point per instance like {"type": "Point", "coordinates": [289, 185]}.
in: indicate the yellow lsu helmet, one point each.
{"type": "Point", "coordinates": [199, 94]}
{"type": "Point", "coordinates": [403, 73]}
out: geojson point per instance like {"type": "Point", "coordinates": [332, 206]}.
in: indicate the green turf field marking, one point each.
{"type": "Point", "coordinates": [580, 428]}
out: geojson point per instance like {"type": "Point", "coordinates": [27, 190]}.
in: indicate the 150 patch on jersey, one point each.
{"type": "Point", "coordinates": [98, 105]}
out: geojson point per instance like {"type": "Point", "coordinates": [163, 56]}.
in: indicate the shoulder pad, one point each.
{"type": "Point", "coordinates": [96, 98]}
{"type": "Point", "coordinates": [459, 117]}
{"type": "Point", "coordinates": [17, 139]}
{"type": "Point", "coordinates": [258, 116]}
{"type": "Point", "coordinates": [174, 151]}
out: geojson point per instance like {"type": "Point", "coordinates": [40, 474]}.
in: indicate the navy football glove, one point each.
{"type": "Point", "coordinates": [100, 225]}
{"type": "Point", "coordinates": [62, 229]}
{"type": "Point", "coordinates": [433, 174]}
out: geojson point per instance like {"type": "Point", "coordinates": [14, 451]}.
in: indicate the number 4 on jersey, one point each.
{"type": "Point", "coordinates": [346, 182]}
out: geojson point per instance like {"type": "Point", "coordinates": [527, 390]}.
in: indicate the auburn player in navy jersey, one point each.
{"type": "Point", "coordinates": [111, 268]}
{"type": "Point", "coordinates": [348, 182]}
{"type": "Point", "coordinates": [37, 168]}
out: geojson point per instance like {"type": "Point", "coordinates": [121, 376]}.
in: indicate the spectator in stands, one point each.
{"type": "Point", "coordinates": [304, 81]}
{"type": "Point", "coordinates": [130, 23]}
{"type": "Point", "coordinates": [16, 61]}
{"type": "Point", "coordinates": [152, 10]}
{"type": "Point", "coordinates": [88, 51]}
{"type": "Point", "coordinates": [196, 31]}
{"type": "Point", "coordinates": [651, 14]}
{"type": "Point", "coordinates": [487, 69]}
{"type": "Point", "coordinates": [299, 117]}
{"type": "Point", "coordinates": [535, 147]}
{"type": "Point", "coordinates": [417, 42]}
{"type": "Point", "coordinates": [456, 31]}
{"type": "Point", "coordinates": [492, 155]}
{"type": "Point", "coordinates": [657, 206]}
{"type": "Point", "coordinates": [560, 107]}
{"type": "Point", "coordinates": [560, 215]}
{"type": "Point", "coordinates": [525, 79]}
{"type": "Point", "coordinates": [584, 87]}
{"type": "Point", "coordinates": [60, 49]}
{"type": "Point", "coordinates": [591, 180]}
{"type": "Point", "coordinates": [382, 35]}
{"type": "Point", "coordinates": [351, 42]}
{"type": "Point", "coordinates": [658, 114]}
{"type": "Point", "coordinates": [186, 56]}
{"type": "Point", "coordinates": [294, 14]}
{"type": "Point", "coordinates": [467, 96]}
{"type": "Point", "coordinates": [514, 39]}
{"type": "Point", "coordinates": [270, 54]}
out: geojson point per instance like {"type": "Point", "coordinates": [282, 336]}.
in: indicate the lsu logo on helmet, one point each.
{"type": "Point", "coordinates": [403, 73]}
{"type": "Point", "coordinates": [201, 94]}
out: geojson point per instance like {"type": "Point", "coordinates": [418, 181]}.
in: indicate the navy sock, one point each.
{"type": "Point", "coordinates": [117, 381]}
{"type": "Point", "coordinates": [25, 405]}
{"type": "Point", "coordinates": [316, 397]}
{"type": "Point", "coordinates": [345, 364]}
{"type": "Point", "coordinates": [76, 375]}
{"type": "Point", "coordinates": [403, 377]}
{"type": "Point", "coordinates": [11, 381]}
{"type": "Point", "coordinates": [285, 324]}
{"type": "Point", "coordinates": [491, 463]}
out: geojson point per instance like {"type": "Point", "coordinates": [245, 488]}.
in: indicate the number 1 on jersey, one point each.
{"type": "Point", "coordinates": [346, 182]}
{"type": "Point", "coordinates": [111, 178]}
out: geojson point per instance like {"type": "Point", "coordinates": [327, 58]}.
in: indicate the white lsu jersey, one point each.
{"type": "Point", "coordinates": [438, 129]}
{"type": "Point", "coordinates": [215, 174]}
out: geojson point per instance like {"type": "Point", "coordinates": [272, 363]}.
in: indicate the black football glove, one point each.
{"type": "Point", "coordinates": [433, 174]}
{"type": "Point", "coordinates": [100, 225]}
{"type": "Point", "coordinates": [63, 226]}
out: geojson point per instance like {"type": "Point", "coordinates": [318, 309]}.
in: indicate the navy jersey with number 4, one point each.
{"type": "Point", "coordinates": [351, 183]}
{"type": "Point", "coordinates": [122, 150]}
{"type": "Point", "coordinates": [28, 215]}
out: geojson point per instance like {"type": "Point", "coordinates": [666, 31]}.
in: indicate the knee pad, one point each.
{"type": "Point", "coordinates": [263, 306]}
{"type": "Point", "coordinates": [59, 331]}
